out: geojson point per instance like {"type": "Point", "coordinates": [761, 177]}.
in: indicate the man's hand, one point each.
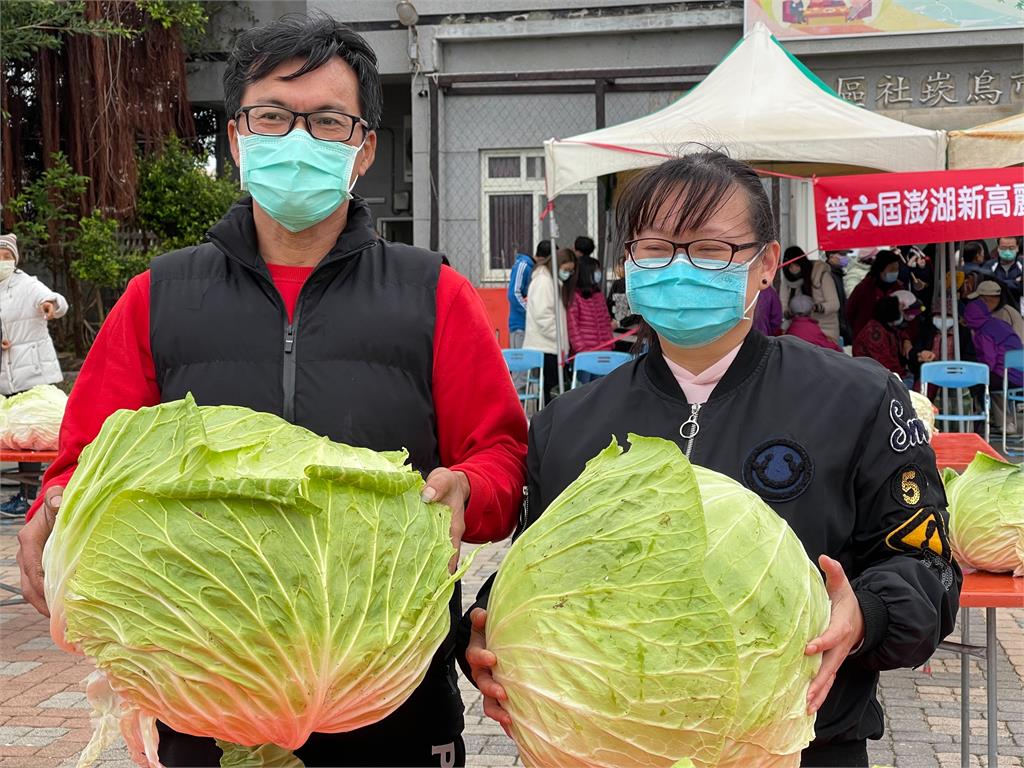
{"type": "Point", "coordinates": [451, 489]}
{"type": "Point", "coordinates": [845, 630]}
{"type": "Point", "coordinates": [49, 309]}
{"type": "Point", "coordinates": [31, 539]}
{"type": "Point", "coordinates": [925, 356]}
{"type": "Point", "coordinates": [5, 344]}
{"type": "Point", "coordinates": [481, 663]}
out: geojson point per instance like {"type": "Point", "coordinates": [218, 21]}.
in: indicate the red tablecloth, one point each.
{"type": "Point", "coordinates": [44, 457]}
{"type": "Point", "coordinates": [957, 449]}
{"type": "Point", "coordinates": [992, 590]}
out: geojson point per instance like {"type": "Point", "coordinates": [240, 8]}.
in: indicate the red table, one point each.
{"type": "Point", "coordinates": [957, 449]}
{"type": "Point", "coordinates": [980, 590]}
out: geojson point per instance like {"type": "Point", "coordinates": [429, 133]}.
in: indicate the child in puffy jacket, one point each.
{"type": "Point", "coordinates": [590, 325]}
{"type": "Point", "coordinates": [27, 355]}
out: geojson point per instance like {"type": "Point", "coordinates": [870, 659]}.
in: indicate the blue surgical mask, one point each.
{"type": "Point", "coordinates": [688, 306]}
{"type": "Point", "coordinates": [564, 275]}
{"type": "Point", "coordinates": [890, 277]}
{"type": "Point", "coordinates": [1007, 255]}
{"type": "Point", "coordinates": [297, 179]}
{"type": "Point", "coordinates": [844, 261]}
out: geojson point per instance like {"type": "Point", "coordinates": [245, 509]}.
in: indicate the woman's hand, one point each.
{"type": "Point", "coordinates": [481, 663]}
{"type": "Point", "coordinates": [925, 356]}
{"type": "Point", "coordinates": [49, 309]}
{"type": "Point", "coordinates": [5, 344]}
{"type": "Point", "coordinates": [845, 631]}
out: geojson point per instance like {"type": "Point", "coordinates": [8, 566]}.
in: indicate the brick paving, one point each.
{"type": "Point", "coordinates": [44, 718]}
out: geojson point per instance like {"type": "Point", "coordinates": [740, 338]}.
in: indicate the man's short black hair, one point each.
{"type": "Point", "coordinates": [584, 245]}
{"type": "Point", "coordinates": [316, 38]}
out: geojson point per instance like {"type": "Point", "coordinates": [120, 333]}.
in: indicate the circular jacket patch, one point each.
{"type": "Point", "coordinates": [778, 470]}
{"type": "Point", "coordinates": [908, 485]}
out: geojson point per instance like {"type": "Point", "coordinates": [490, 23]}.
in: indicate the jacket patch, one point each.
{"type": "Point", "coordinates": [778, 470]}
{"type": "Point", "coordinates": [922, 531]}
{"type": "Point", "coordinates": [906, 433]}
{"type": "Point", "coordinates": [908, 485]}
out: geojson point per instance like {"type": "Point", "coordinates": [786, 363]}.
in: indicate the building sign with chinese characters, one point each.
{"type": "Point", "coordinates": [929, 207]}
{"type": "Point", "coordinates": [934, 88]}
{"type": "Point", "coordinates": [807, 19]}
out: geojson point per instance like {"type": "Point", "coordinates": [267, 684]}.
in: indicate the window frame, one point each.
{"type": "Point", "coordinates": [522, 186]}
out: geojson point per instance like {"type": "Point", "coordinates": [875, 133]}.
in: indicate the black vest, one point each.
{"type": "Point", "coordinates": [355, 363]}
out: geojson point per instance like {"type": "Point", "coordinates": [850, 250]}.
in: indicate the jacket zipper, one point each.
{"type": "Point", "coordinates": [288, 372]}
{"type": "Point", "coordinates": [291, 328]}
{"type": "Point", "coordinates": [688, 429]}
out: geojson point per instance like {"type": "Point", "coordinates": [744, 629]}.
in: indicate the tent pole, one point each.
{"type": "Point", "coordinates": [950, 256]}
{"type": "Point", "coordinates": [560, 354]}
{"type": "Point", "coordinates": [943, 313]}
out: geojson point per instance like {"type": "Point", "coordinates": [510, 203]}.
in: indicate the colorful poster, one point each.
{"type": "Point", "coordinates": [927, 207]}
{"type": "Point", "coordinates": [802, 19]}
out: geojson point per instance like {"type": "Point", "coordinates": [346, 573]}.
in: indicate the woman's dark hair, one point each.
{"type": "Point", "coordinates": [543, 250]}
{"type": "Point", "coordinates": [317, 38]}
{"type": "Point", "coordinates": [803, 264]}
{"type": "Point", "coordinates": [693, 187]}
{"type": "Point", "coordinates": [882, 260]}
{"type": "Point", "coordinates": [568, 288]}
{"type": "Point", "coordinates": [887, 310]}
{"type": "Point", "coordinates": [585, 278]}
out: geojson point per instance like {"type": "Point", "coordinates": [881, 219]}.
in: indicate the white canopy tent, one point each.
{"type": "Point", "coordinates": [763, 106]}
{"type": "Point", "coordinates": [992, 145]}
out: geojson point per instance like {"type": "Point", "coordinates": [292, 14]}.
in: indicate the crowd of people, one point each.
{"type": "Point", "coordinates": [879, 303]}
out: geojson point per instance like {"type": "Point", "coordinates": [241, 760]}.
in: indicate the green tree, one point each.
{"type": "Point", "coordinates": [48, 213]}
{"type": "Point", "coordinates": [178, 200]}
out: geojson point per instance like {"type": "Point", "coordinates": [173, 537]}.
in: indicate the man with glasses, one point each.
{"type": "Point", "coordinates": [294, 306]}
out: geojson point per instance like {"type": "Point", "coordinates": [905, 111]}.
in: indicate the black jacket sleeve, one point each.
{"type": "Point", "coordinates": [903, 574]}
{"type": "Point", "coordinates": [533, 505]}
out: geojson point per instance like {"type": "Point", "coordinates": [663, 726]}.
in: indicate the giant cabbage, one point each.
{"type": "Point", "coordinates": [657, 611]}
{"type": "Point", "coordinates": [239, 577]}
{"type": "Point", "coordinates": [31, 420]}
{"type": "Point", "coordinates": [986, 515]}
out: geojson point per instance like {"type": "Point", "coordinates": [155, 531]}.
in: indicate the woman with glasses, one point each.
{"type": "Point", "coordinates": [829, 442]}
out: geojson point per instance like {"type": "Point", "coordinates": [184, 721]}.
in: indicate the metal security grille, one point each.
{"type": "Point", "coordinates": [487, 133]}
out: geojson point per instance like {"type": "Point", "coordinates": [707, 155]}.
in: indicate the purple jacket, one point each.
{"type": "Point", "coordinates": [768, 313]}
{"type": "Point", "coordinates": [993, 338]}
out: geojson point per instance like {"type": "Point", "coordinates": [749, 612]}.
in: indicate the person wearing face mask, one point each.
{"type": "Point", "coordinates": [1006, 267]}
{"type": "Point", "coordinates": [294, 306]}
{"type": "Point", "coordinates": [993, 338]}
{"type": "Point", "coordinates": [700, 248]}
{"type": "Point", "coordinates": [881, 280]}
{"type": "Point", "coordinates": [838, 261]}
{"type": "Point", "coordinates": [550, 292]}
{"type": "Point", "coordinates": [27, 355]}
{"type": "Point", "coordinates": [814, 280]}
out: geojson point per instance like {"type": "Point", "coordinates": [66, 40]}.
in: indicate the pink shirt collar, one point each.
{"type": "Point", "coordinates": [698, 386]}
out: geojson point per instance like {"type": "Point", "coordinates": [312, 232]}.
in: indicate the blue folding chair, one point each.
{"type": "Point", "coordinates": [957, 375]}
{"type": "Point", "coordinates": [597, 363]}
{"type": "Point", "coordinates": [528, 361]}
{"type": "Point", "coordinates": [1014, 360]}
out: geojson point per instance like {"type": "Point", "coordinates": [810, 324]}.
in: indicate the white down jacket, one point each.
{"type": "Point", "coordinates": [32, 359]}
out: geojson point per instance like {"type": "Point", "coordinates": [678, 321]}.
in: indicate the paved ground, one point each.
{"type": "Point", "coordinates": [44, 720]}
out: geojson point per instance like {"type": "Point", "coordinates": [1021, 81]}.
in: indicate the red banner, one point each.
{"type": "Point", "coordinates": [929, 207]}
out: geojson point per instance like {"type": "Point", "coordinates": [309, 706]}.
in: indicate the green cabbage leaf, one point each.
{"type": "Point", "coordinates": [657, 613]}
{"type": "Point", "coordinates": [238, 577]}
{"type": "Point", "coordinates": [986, 515]}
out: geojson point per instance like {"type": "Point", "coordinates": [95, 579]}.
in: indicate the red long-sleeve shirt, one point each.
{"type": "Point", "coordinates": [481, 429]}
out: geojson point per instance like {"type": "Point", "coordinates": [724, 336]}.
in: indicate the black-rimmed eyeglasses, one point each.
{"type": "Point", "coordinates": [326, 125]}
{"type": "Point", "coordinates": [655, 253]}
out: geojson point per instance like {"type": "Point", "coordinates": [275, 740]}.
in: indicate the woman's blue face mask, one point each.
{"type": "Point", "coordinates": [689, 306]}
